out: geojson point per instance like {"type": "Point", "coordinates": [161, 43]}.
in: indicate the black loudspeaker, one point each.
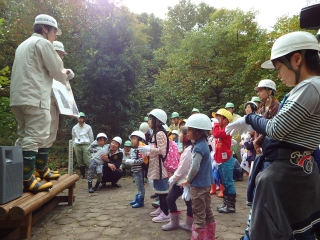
{"type": "Point", "coordinates": [310, 17]}
{"type": "Point", "coordinates": [11, 173]}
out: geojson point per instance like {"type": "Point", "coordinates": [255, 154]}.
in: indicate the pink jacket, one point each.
{"type": "Point", "coordinates": [181, 173]}
{"type": "Point", "coordinates": [161, 148]}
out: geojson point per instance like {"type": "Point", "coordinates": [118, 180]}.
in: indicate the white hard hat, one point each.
{"type": "Point", "coordinates": [58, 46]}
{"type": "Point", "coordinates": [144, 127]}
{"type": "Point", "coordinates": [139, 134]}
{"type": "Point", "coordinates": [266, 83]}
{"type": "Point", "coordinates": [47, 20]}
{"type": "Point", "coordinates": [159, 114]}
{"type": "Point", "coordinates": [175, 132]}
{"type": "Point", "coordinates": [117, 139]}
{"type": "Point", "coordinates": [318, 33]}
{"type": "Point", "coordinates": [289, 43]}
{"type": "Point", "coordinates": [165, 126]}
{"type": "Point", "coordinates": [101, 135]}
{"type": "Point", "coordinates": [254, 105]}
{"type": "Point", "coordinates": [199, 121]}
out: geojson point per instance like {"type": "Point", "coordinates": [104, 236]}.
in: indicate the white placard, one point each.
{"type": "Point", "coordinates": [64, 97]}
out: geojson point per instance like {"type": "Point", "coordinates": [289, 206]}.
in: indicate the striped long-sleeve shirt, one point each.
{"type": "Point", "coordinates": [297, 125]}
{"type": "Point", "coordinates": [137, 160]}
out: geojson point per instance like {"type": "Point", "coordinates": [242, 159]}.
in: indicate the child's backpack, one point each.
{"type": "Point", "coordinates": [172, 157]}
{"type": "Point", "coordinates": [172, 160]}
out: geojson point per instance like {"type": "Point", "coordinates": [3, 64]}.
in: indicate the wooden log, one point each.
{"type": "Point", "coordinates": [4, 209]}
{"type": "Point", "coordinates": [23, 209]}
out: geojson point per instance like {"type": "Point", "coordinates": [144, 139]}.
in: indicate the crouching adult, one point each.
{"type": "Point", "coordinates": [111, 169]}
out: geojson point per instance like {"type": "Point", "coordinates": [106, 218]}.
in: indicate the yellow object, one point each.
{"type": "Point", "coordinates": [223, 112]}
{"type": "Point", "coordinates": [145, 159]}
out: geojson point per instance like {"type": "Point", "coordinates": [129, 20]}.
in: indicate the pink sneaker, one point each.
{"type": "Point", "coordinates": [156, 213]}
{"type": "Point", "coordinates": [161, 218]}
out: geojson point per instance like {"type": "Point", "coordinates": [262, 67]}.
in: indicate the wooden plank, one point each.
{"type": "Point", "coordinates": [21, 210]}
{"type": "Point", "coordinates": [70, 194]}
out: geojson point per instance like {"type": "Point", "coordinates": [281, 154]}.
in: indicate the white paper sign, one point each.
{"type": "Point", "coordinates": [65, 100]}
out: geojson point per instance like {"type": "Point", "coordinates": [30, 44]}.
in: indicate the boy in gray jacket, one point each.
{"type": "Point", "coordinates": [97, 147]}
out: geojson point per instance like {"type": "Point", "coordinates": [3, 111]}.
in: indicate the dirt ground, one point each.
{"type": "Point", "coordinates": [107, 214]}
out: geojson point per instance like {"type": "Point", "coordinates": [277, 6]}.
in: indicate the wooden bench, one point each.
{"type": "Point", "coordinates": [18, 216]}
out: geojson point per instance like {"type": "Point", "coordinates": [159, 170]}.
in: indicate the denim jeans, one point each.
{"type": "Point", "coordinates": [138, 178]}
{"type": "Point", "coordinates": [226, 175]}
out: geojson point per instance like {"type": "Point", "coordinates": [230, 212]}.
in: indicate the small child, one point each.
{"type": "Point", "coordinates": [136, 161]}
{"type": "Point", "coordinates": [200, 177]}
{"type": "Point", "coordinates": [225, 160]}
{"type": "Point", "coordinates": [99, 147]}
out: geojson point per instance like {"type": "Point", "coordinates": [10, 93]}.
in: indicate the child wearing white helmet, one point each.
{"type": "Point", "coordinates": [200, 178]}
{"type": "Point", "coordinates": [287, 193]}
{"type": "Point", "coordinates": [99, 147]}
{"type": "Point", "coordinates": [136, 161]}
{"type": "Point", "coordinates": [158, 150]}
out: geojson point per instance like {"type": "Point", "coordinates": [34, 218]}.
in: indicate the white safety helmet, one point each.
{"type": "Point", "coordinates": [138, 134]}
{"type": "Point", "coordinates": [47, 20]}
{"type": "Point", "coordinates": [175, 132]}
{"type": "Point", "coordinates": [318, 33]}
{"type": "Point", "coordinates": [254, 105]}
{"type": "Point", "coordinates": [266, 83]}
{"type": "Point", "coordinates": [144, 127]}
{"type": "Point", "coordinates": [102, 135]}
{"type": "Point", "coordinates": [199, 121]}
{"type": "Point", "coordinates": [159, 114]}
{"type": "Point", "coordinates": [117, 139]}
{"type": "Point", "coordinates": [58, 46]}
{"type": "Point", "coordinates": [165, 126]}
{"type": "Point", "coordinates": [289, 43]}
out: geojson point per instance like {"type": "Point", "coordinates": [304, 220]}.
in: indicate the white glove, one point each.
{"type": "Point", "coordinates": [214, 120]}
{"type": "Point", "coordinates": [144, 149]}
{"type": "Point", "coordinates": [186, 195]}
{"type": "Point", "coordinates": [239, 126]}
{"type": "Point", "coordinates": [233, 142]}
{"type": "Point", "coordinates": [171, 181]}
{"type": "Point", "coordinates": [129, 161]}
{"type": "Point", "coordinates": [70, 74]}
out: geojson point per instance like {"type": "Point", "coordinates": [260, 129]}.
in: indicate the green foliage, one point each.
{"type": "Point", "coordinates": [127, 64]}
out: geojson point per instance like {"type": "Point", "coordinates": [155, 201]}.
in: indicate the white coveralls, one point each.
{"type": "Point", "coordinates": [35, 65]}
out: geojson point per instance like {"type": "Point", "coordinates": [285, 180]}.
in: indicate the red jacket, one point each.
{"type": "Point", "coordinates": [223, 144]}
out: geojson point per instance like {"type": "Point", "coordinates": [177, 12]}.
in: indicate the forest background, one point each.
{"type": "Point", "coordinates": [126, 64]}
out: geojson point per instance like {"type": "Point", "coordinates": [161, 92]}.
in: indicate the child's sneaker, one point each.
{"type": "Point", "coordinates": [161, 218]}
{"type": "Point", "coordinates": [156, 212]}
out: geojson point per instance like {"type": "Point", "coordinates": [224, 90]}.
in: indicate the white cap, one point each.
{"type": "Point", "coordinates": [266, 83]}
{"type": "Point", "coordinates": [58, 46]}
{"type": "Point", "coordinates": [101, 135]}
{"type": "Point", "coordinates": [199, 121]}
{"type": "Point", "coordinates": [138, 134]}
{"type": "Point", "coordinates": [175, 132]}
{"type": "Point", "coordinates": [289, 43]}
{"type": "Point", "coordinates": [144, 127]}
{"type": "Point", "coordinates": [159, 114]}
{"type": "Point", "coordinates": [47, 20]}
{"type": "Point", "coordinates": [117, 139]}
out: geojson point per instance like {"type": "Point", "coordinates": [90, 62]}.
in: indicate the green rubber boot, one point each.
{"type": "Point", "coordinates": [42, 169]}
{"type": "Point", "coordinates": [30, 183]}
